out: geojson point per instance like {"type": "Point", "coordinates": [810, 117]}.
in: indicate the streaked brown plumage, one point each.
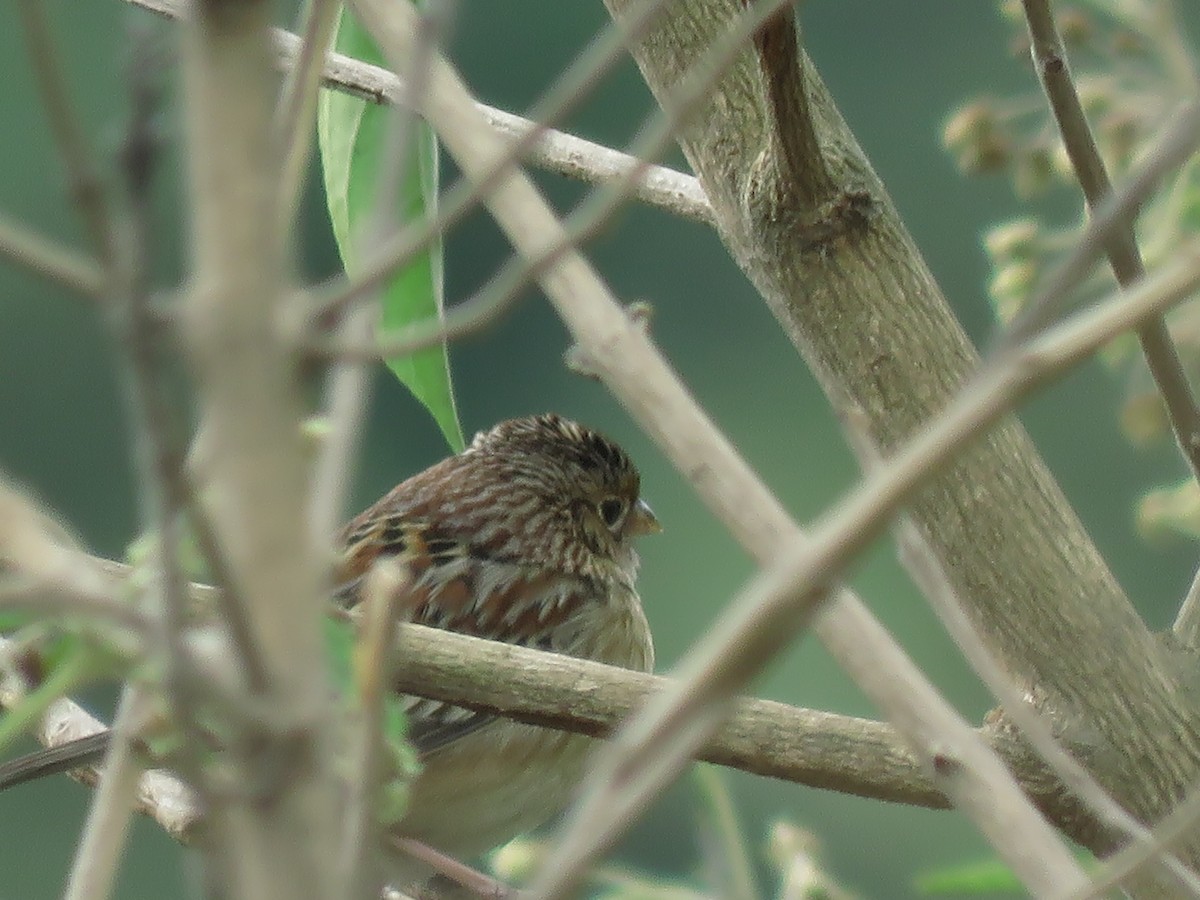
{"type": "Point", "coordinates": [526, 537]}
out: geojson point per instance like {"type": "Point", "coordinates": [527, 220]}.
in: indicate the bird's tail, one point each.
{"type": "Point", "coordinates": [76, 754]}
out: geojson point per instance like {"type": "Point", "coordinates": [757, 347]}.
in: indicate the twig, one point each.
{"type": "Point", "coordinates": [156, 441]}
{"type": "Point", "coordinates": [722, 839]}
{"type": "Point", "coordinates": [229, 602]}
{"type": "Point", "coordinates": [347, 388]}
{"type": "Point", "coordinates": [298, 103]}
{"type": "Point", "coordinates": [384, 586]}
{"type": "Point", "coordinates": [650, 389]}
{"type": "Point", "coordinates": [555, 151]}
{"type": "Point", "coordinates": [762, 737]}
{"type": "Point", "coordinates": [359, 876]}
{"type": "Point", "coordinates": [1120, 868]}
{"type": "Point", "coordinates": [1050, 59]}
{"type": "Point", "coordinates": [349, 382]}
{"type": "Point", "coordinates": [87, 191]}
{"type": "Point", "coordinates": [107, 827]}
{"type": "Point", "coordinates": [38, 558]}
{"type": "Point", "coordinates": [164, 799]}
{"type": "Point", "coordinates": [45, 257]}
{"type": "Point", "coordinates": [59, 599]}
{"type": "Point", "coordinates": [1174, 146]}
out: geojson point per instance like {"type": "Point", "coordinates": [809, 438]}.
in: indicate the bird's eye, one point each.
{"type": "Point", "coordinates": [612, 511]}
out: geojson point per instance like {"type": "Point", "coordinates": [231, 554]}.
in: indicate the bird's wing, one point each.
{"type": "Point", "coordinates": [456, 586]}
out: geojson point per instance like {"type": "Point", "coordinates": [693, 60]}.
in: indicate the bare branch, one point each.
{"type": "Point", "coordinates": [463, 197]}
{"type": "Point", "coordinates": [555, 151]}
{"type": "Point", "coordinates": [298, 104]}
{"type": "Point", "coordinates": [44, 257]}
{"type": "Point", "coordinates": [382, 590]}
{"type": "Point", "coordinates": [1176, 144]}
{"type": "Point", "coordinates": [1050, 59]}
{"type": "Point", "coordinates": [762, 737]}
{"type": "Point", "coordinates": [161, 797]}
{"type": "Point", "coordinates": [45, 574]}
{"type": "Point", "coordinates": [930, 577]}
{"type": "Point", "coordinates": [255, 478]}
{"type": "Point", "coordinates": [1170, 833]}
{"type": "Point", "coordinates": [157, 441]}
{"type": "Point", "coordinates": [86, 188]}
{"type": "Point", "coordinates": [107, 828]}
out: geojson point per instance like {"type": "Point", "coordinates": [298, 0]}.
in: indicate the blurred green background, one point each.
{"type": "Point", "coordinates": [896, 76]}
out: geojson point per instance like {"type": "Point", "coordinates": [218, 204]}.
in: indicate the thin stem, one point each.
{"type": "Point", "coordinates": [1050, 58]}
{"type": "Point", "coordinates": [154, 429]}
{"type": "Point", "coordinates": [384, 586]}
{"type": "Point", "coordinates": [59, 599]}
{"type": "Point", "coordinates": [106, 830]}
{"type": "Point", "coordinates": [348, 385]}
{"type": "Point", "coordinates": [298, 103]}
{"type": "Point", "coordinates": [918, 559]}
{"type": "Point", "coordinates": [1174, 147]}
{"type": "Point", "coordinates": [86, 188]}
{"type": "Point", "coordinates": [1120, 868]}
{"type": "Point", "coordinates": [43, 256]}
{"type": "Point", "coordinates": [165, 799]}
{"type": "Point", "coordinates": [229, 602]}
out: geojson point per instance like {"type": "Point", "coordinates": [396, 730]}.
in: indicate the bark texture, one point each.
{"type": "Point", "coordinates": [812, 226]}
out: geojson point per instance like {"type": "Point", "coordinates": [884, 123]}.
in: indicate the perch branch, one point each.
{"type": "Point", "coordinates": [763, 737]}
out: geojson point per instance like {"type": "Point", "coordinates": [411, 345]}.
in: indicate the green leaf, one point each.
{"type": "Point", "coordinates": [352, 136]}
{"type": "Point", "coordinates": [69, 660]}
{"type": "Point", "coordinates": [986, 877]}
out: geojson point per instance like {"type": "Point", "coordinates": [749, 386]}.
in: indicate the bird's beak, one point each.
{"type": "Point", "coordinates": [641, 520]}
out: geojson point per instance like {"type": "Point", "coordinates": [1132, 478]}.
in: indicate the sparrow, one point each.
{"type": "Point", "coordinates": [525, 537]}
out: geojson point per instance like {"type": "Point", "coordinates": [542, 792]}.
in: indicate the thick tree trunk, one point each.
{"type": "Point", "coordinates": [810, 223]}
